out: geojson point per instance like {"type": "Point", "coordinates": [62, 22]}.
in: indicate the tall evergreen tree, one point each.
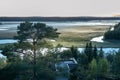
{"type": "Point", "coordinates": [101, 53]}
{"type": "Point", "coordinates": [116, 64]}
{"type": "Point", "coordinates": [35, 32]}
{"type": "Point", "coordinates": [89, 51]}
{"type": "Point", "coordinates": [95, 52]}
{"type": "Point", "coordinates": [74, 52]}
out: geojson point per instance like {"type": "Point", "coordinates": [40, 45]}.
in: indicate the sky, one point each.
{"type": "Point", "coordinates": [59, 7]}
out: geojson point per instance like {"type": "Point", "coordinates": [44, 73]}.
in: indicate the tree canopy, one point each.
{"type": "Point", "coordinates": [113, 34]}
{"type": "Point", "coordinates": [33, 33]}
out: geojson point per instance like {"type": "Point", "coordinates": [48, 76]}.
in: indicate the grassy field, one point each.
{"type": "Point", "coordinates": [76, 35]}
{"type": "Point", "coordinates": [80, 35]}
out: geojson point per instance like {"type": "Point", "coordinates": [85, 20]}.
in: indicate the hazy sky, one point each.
{"type": "Point", "coordinates": [59, 7]}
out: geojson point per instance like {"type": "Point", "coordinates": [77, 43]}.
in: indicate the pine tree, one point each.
{"type": "Point", "coordinates": [89, 51]}
{"type": "Point", "coordinates": [36, 32]}
{"type": "Point", "coordinates": [74, 52]}
{"type": "Point", "coordinates": [101, 53]}
{"type": "Point", "coordinates": [95, 52]}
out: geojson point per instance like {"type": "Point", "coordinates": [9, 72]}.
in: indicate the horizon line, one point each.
{"type": "Point", "coordinates": [59, 16]}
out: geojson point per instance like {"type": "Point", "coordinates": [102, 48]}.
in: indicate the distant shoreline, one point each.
{"type": "Point", "coordinates": [40, 18]}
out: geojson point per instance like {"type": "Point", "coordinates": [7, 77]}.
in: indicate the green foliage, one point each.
{"type": "Point", "coordinates": [93, 63]}
{"type": "Point", "coordinates": [95, 52]}
{"type": "Point", "coordinates": [3, 62]}
{"type": "Point", "coordinates": [44, 44]}
{"type": "Point", "coordinates": [91, 52]}
{"type": "Point", "coordinates": [99, 69]}
{"type": "Point", "coordinates": [113, 34]}
{"type": "Point", "coordinates": [93, 67]}
{"type": "Point", "coordinates": [83, 59]}
{"type": "Point", "coordinates": [73, 74]}
{"type": "Point", "coordinates": [12, 70]}
{"type": "Point", "coordinates": [23, 70]}
{"type": "Point", "coordinates": [23, 45]}
{"type": "Point", "coordinates": [116, 63]}
{"type": "Point", "coordinates": [101, 53]}
{"type": "Point", "coordinates": [35, 32]}
{"type": "Point", "coordinates": [66, 54]}
{"type": "Point", "coordinates": [110, 57]}
{"type": "Point", "coordinates": [74, 52]}
{"type": "Point", "coordinates": [103, 66]}
{"type": "Point", "coordinates": [8, 51]}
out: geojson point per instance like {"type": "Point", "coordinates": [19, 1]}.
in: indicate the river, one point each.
{"type": "Point", "coordinates": [6, 41]}
{"type": "Point", "coordinates": [12, 26]}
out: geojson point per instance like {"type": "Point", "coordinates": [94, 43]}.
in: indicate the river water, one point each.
{"type": "Point", "coordinates": [12, 26]}
{"type": "Point", "coordinates": [5, 41]}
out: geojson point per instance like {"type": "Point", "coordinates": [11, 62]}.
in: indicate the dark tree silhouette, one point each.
{"type": "Point", "coordinates": [35, 32]}
{"type": "Point", "coordinates": [74, 52]}
{"type": "Point", "coordinates": [101, 53]}
{"type": "Point", "coordinates": [113, 34]}
{"type": "Point", "coordinates": [89, 51]}
{"type": "Point", "coordinates": [95, 52]}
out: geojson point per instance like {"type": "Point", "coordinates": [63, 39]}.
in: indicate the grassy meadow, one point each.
{"type": "Point", "coordinates": [75, 35]}
{"type": "Point", "coordinates": [79, 35]}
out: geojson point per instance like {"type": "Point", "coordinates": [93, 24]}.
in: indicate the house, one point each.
{"type": "Point", "coordinates": [66, 65]}
{"type": "Point", "coordinates": [63, 68]}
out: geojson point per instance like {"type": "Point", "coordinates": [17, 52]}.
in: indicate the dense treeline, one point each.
{"type": "Point", "coordinates": [25, 61]}
{"type": "Point", "coordinates": [57, 18]}
{"type": "Point", "coordinates": [31, 66]}
{"type": "Point", "coordinates": [113, 34]}
{"type": "Point", "coordinates": [92, 64]}
{"type": "Point", "coordinates": [17, 68]}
